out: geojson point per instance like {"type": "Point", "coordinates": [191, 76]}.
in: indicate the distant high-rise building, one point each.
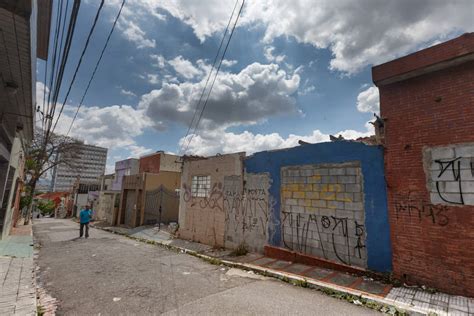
{"type": "Point", "coordinates": [87, 165]}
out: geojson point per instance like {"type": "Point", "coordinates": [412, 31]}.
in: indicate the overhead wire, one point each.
{"type": "Point", "coordinates": [96, 67]}
{"type": "Point", "coordinates": [53, 64]}
{"type": "Point", "coordinates": [79, 63]}
{"type": "Point", "coordinates": [215, 77]}
{"type": "Point", "coordinates": [64, 58]}
{"type": "Point", "coordinates": [212, 69]}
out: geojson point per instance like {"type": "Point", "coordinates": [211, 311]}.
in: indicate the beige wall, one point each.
{"type": "Point", "coordinates": [170, 163]}
{"type": "Point", "coordinates": [203, 219]}
{"type": "Point", "coordinates": [170, 180]}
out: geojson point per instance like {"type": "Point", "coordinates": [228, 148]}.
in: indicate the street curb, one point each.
{"type": "Point", "coordinates": [351, 295]}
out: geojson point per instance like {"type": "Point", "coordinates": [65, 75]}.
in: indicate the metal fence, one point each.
{"type": "Point", "coordinates": [161, 206]}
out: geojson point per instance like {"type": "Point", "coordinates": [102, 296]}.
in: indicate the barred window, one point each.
{"type": "Point", "coordinates": [201, 186]}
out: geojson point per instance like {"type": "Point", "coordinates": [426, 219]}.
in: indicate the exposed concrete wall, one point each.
{"type": "Point", "coordinates": [246, 208]}
{"type": "Point", "coordinates": [322, 211]}
{"type": "Point", "coordinates": [203, 218]}
{"type": "Point", "coordinates": [170, 163]}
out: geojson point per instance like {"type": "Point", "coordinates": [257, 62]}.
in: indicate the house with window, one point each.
{"type": "Point", "coordinates": [201, 208]}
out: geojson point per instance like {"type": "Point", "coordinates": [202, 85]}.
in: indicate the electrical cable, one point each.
{"type": "Point", "coordinates": [212, 69]}
{"type": "Point", "coordinates": [96, 67]}
{"type": "Point", "coordinates": [79, 63]}
{"type": "Point", "coordinates": [215, 76]}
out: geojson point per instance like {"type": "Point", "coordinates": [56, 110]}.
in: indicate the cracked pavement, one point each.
{"type": "Point", "coordinates": [109, 274]}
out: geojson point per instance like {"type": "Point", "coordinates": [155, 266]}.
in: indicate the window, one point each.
{"type": "Point", "coordinates": [201, 186]}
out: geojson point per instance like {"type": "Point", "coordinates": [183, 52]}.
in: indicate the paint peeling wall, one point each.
{"type": "Point", "coordinates": [348, 203]}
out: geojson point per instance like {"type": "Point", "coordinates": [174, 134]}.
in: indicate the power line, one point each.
{"type": "Point", "coordinates": [96, 67]}
{"type": "Point", "coordinates": [61, 53]}
{"type": "Point", "coordinates": [212, 69]}
{"type": "Point", "coordinates": [215, 76]}
{"type": "Point", "coordinates": [53, 66]}
{"type": "Point", "coordinates": [65, 54]}
{"type": "Point", "coordinates": [79, 63]}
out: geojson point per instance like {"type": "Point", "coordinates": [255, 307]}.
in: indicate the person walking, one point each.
{"type": "Point", "coordinates": [85, 218]}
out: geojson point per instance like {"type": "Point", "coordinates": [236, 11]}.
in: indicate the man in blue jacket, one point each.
{"type": "Point", "coordinates": [85, 218]}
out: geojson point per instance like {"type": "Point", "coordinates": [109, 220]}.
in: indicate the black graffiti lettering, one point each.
{"type": "Point", "coordinates": [455, 166]}
{"type": "Point", "coordinates": [359, 232]}
{"type": "Point", "coordinates": [325, 221]}
{"type": "Point", "coordinates": [421, 209]}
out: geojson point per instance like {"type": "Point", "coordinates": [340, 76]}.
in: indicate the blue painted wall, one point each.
{"type": "Point", "coordinates": [379, 253]}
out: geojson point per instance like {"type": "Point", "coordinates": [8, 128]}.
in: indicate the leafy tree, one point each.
{"type": "Point", "coordinates": [46, 206]}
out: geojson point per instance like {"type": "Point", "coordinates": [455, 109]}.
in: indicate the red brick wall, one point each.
{"type": "Point", "coordinates": [435, 249]}
{"type": "Point", "coordinates": [150, 164]}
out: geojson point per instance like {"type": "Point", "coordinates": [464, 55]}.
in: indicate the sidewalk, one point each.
{"type": "Point", "coordinates": [18, 289]}
{"type": "Point", "coordinates": [356, 289]}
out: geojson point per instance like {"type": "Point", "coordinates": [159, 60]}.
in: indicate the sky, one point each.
{"type": "Point", "coordinates": [294, 70]}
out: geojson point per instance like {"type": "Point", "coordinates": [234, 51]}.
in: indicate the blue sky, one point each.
{"type": "Point", "coordinates": [294, 70]}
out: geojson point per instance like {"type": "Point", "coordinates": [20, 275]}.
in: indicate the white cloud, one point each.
{"type": "Point", "coordinates": [134, 33]}
{"type": "Point", "coordinates": [113, 127]}
{"type": "Point", "coordinates": [228, 63]}
{"type": "Point", "coordinates": [184, 67]}
{"type": "Point", "coordinates": [138, 151]}
{"type": "Point", "coordinates": [153, 79]}
{"type": "Point", "coordinates": [159, 60]}
{"type": "Point", "coordinates": [358, 33]}
{"type": "Point", "coordinates": [127, 93]}
{"type": "Point", "coordinates": [253, 95]}
{"type": "Point", "coordinates": [368, 100]}
{"type": "Point", "coordinates": [268, 53]}
{"type": "Point", "coordinates": [219, 141]}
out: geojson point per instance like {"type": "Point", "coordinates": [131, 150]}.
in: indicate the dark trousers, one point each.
{"type": "Point", "coordinates": [81, 231]}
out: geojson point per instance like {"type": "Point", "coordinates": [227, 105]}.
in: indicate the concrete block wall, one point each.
{"type": "Point", "coordinates": [322, 211]}
{"type": "Point", "coordinates": [450, 174]}
{"type": "Point", "coordinates": [353, 188]}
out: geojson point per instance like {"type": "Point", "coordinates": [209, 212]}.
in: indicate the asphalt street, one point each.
{"type": "Point", "coordinates": [109, 274]}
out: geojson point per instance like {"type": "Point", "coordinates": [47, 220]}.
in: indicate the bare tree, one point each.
{"type": "Point", "coordinates": [43, 154]}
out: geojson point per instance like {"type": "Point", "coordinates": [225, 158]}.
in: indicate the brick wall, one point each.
{"type": "Point", "coordinates": [429, 124]}
{"type": "Point", "coordinates": [323, 212]}
{"type": "Point", "coordinates": [150, 164]}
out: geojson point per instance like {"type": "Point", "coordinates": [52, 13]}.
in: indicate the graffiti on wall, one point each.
{"type": "Point", "coordinates": [323, 213]}
{"type": "Point", "coordinates": [245, 204]}
{"type": "Point", "coordinates": [450, 174]}
{"type": "Point", "coordinates": [247, 210]}
{"type": "Point", "coordinates": [407, 205]}
{"type": "Point", "coordinates": [212, 201]}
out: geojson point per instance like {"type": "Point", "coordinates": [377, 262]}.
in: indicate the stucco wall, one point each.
{"type": "Point", "coordinates": [170, 163]}
{"type": "Point", "coordinates": [203, 218]}
{"type": "Point", "coordinates": [375, 219]}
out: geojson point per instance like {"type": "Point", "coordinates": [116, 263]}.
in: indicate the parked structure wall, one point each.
{"type": "Point", "coordinates": [427, 102]}
{"type": "Point", "coordinates": [328, 200]}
